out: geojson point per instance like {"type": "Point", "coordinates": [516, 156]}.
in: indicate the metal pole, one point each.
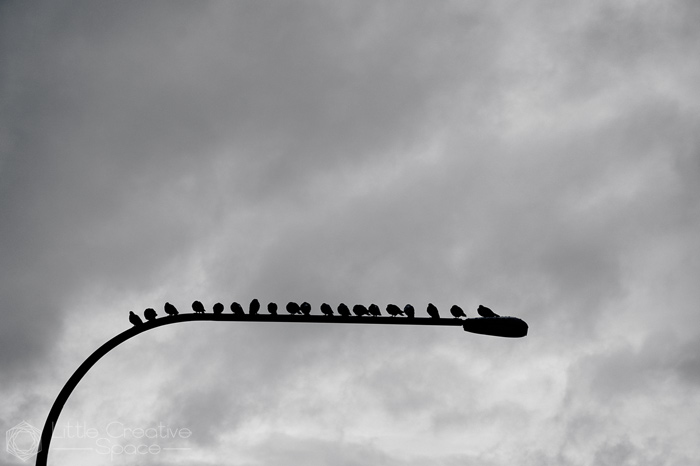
{"type": "Point", "coordinates": [497, 326]}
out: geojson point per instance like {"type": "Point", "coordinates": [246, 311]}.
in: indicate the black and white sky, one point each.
{"type": "Point", "coordinates": [539, 157]}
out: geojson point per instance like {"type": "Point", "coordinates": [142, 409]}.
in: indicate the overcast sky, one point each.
{"type": "Point", "coordinates": [538, 157]}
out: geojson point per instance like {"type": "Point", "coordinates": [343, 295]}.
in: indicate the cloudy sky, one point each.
{"type": "Point", "coordinates": [538, 157]}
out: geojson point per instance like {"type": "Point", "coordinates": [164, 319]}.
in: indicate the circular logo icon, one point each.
{"type": "Point", "coordinates": [23, 440]}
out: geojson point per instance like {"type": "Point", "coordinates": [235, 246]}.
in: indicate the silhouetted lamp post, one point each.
{"type": "Point", "coordinates": [510, 327]}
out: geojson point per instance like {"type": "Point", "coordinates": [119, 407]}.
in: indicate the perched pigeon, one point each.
{"type": "Point", "coordinates": [293, 308]}
{"type": "Point", "coordinates": [393, 310]}
{"type": "Point", "coordinates": [486, 312]}
{"type": "Point", "coordinates": [237, 309]}
{"type": "Point", "coordinates": [359, 310]}
{"type": "Point", "coordinates": [218, 308]}
{"type": "Point", "coordinates": [198, 307]}
{"type": "Point", "coordinates": [134, 319]}
{"type": "Point", "coordinates": [326, 309]}
{"type": "Point", "coordinates": [433, 311]}
{"type": "Point", "coordinates": [170, 309]}
{"type": "Point", "coordinates": [272, 308]}
{"type": "Point", "coordinates": [343, 310]}
{"type": "Point", "coordinates": [457, 312]}
{"type": "Point", "coordinates": [305, 308]}
{"type": "Point", "coordinates": [254, 307]}
{"type": "Point", "coordinates": [374, 310]}
{"type": "Point", "coordinates": [410, 312]}
{"type": "Point", "coordinates": [150, 314]}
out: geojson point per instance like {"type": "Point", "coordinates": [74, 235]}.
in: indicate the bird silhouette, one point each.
{"type": "Point", "coordinates": [433, 311]}
{"type": "Point", "coordinates": [272, 308]}
{"type": "Point", "coordinates": [486, 312]}
{"type": "Point", "coordinates": [326, 309]}
{"type": "Point", "coordinates": [170, 309]}
{"type": "Point", "coordinates": [218, 308]}
{"type": "Point", "coordinates": [293, 308]}
{"type": "Point", "coordinates": [198, 307]}
{"type": "Point", "coordinates": [457, 312]}
{"type": "Point", "coordinates": [134, 319]}
{"type": "Point", "coordinates": [150, 314]}
{"type": "Point", "coordinates": [359, 310]}
{"type": "Point", "coordinates": [374, 310]}
{"type": "Point", "coordinates": [237, 309]}
{"type": "Point", "coordinates": [343, 310]}
{"type": "Point", "coordinates": [409, 311]}
{"type": "Point", "coordinates": [393, 310]}
{"type": "Point", "coordinates": [254, 307]}
{"type": "Point", "coordinates": [305, 308]}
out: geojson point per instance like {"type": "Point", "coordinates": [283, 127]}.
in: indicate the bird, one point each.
{"type": "Point", "coordinates": [305, 308]}
{"type": "Point", "coordinates": [150, 314]}
{"type": "Point", "coordinates": [272, 308]}
{"type": "Point", "coordinates": [326, 309]}
{"type": "Point", "coordinates": [198, 307]}
{"type": "Point", "coordinates": [293, 308]}
{"type": "Point", "coordinates": [409, 310]}
{"type": "Point", "coordinates": [134, 319]}
{"type": "Point", "coordinates": [433, 311]}
{"type": "Point", "coordinates": [359, 310]}
{"type": "Point", "coordinates": [254, 307]}
{"type": "Point", "coordinates": [393, 310]}
{"type": "Point", "coordinates": [374, 310]}
{"type": "Point", "coordinates": [343, 310]}
{"type": "Point", "coordinates": [218, 308]}
{"type": "Point", "coordinates": [486, 312]}
{"type": "Point", "coordinates": [170, 309]}
{"type": "Point", "coordinates": [237, 309]}
{"type": "Point", "coordinates": [457, 312]}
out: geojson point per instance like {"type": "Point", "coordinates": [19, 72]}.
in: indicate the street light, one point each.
{"type": "Point", "coordinates": [510, 327]}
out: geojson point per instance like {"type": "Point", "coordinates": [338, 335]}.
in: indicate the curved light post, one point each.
{"type": "Point", "coordinates": [510, 327]}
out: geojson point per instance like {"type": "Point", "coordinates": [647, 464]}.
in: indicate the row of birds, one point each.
{"type": "Point", "coordinates": [305, 309]}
